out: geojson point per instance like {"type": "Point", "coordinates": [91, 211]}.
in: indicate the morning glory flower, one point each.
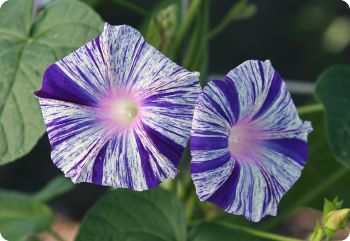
{"type": "Point", "coordinates": [118, 112]}
{"type": "Point", "coordinates": [248, 144]}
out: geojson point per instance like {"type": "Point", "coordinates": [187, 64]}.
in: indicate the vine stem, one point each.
{"type": "Point", "coordinates": [55, 235]}
{"type": "Point", "coordinates": [306, 109]}
{"type": "Point", "coordinates": [218, 29]}
{"type": "Point", "coordinates": [185, 26]}
{"type": "Point", "coordinates": [257, 233]}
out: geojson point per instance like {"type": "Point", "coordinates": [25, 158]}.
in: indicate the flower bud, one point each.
{"type": "Point", "coordinates": [336, 220]}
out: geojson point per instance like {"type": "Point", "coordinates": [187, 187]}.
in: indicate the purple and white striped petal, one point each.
{"type": "Point", "coordinates": [248, 143]}
{"type": "Point", "coordinates": [118, 112]}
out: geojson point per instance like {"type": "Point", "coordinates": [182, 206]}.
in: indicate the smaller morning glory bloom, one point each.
{"type": "Point", "coordinates": [248, 144]}
{"type": "Point", "coordinates": [118, 112]}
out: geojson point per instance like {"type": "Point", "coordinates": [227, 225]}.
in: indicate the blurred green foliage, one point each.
{"type": "Point", "coordinates": [23, 215]}
{"type": "Point", "coordinates": [333, 91]}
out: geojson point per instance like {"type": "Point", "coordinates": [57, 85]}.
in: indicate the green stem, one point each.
{"type": "Point", "coordinates": [310, 108]}
{"type": "Point", "coordinates": [307, 197]}
{"type": "Point", "coordinates": [55, 235]}
{"type": "Point", "coordinates": [133, 7]}
{"type": "Point", "coordinates": [330, 238]}
{"type": "Point", "coordinates": [257, 233]}
{"type": "Point", "coordinates": [219, 28]}
{"type": "Point", "coordinates": [190, 207]}
{"type": "Point", "coordinates": [185, 26]}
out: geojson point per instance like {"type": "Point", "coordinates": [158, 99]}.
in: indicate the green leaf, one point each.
{"type": "Point", "coordinates": [54, 188]}
{"type": "Point", "coordinates": [162, 27]}
{"type": "Point", "coordinates": [165, 3]}
{"type": "Point", "coordinates": [120, 215]}
{"type": "Point", "coordinates": [27, 48]}
{"type": "Point", "coordinates": [227, 231]}
{"type": "Point", "coordinates": [216, 231]}
{"type": "Point", "coordinates": [330, 206]}
{"type": "Point", "coordinates": [333, 91]}
{"type": "Point", "coordinates": [240, 10]}
{"type": "Point", "coordinates": [21, 217]}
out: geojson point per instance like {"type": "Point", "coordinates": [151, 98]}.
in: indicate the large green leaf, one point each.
{"type": "Point", "coordinates": [26, 49]}
{"type": "Point", "coordinates": [333, 90]}
{"type": "Point", "coordinates": [155, 215]}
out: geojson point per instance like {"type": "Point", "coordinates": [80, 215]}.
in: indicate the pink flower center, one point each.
{"type": "Point", "coordinates": [123, 111]}
{"type": "Point", "coordinates": [244, 142]}
{"type": "Point", "coordinates": [120, 110]}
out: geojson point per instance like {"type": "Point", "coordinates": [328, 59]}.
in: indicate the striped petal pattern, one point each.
{"type": "Point", "coordinates": [118, 112]}
{"type": "Point", "coordinates": [248, 143]}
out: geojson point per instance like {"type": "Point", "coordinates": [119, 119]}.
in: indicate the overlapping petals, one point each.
{"type": "Point", "coordinates": [118, 112]}
{"type": "Point", "coordinates": [248, 144]}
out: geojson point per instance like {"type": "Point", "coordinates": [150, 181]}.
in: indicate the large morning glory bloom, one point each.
{"type": "Point", "coordinates": [248, 144]}
{"type": "Point", "coordinates": [118, 112]}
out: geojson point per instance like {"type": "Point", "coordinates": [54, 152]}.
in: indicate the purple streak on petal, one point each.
{"type": "Point", "coordinates": [210, 165]}
{"type": "Point", "coordinates": [229, 89]}
{"type": "Point", "coordinates": [165, 146]}
{"type": "Point", "coordinates": [274, 92]}
{"type": "Point", "coordinates": [207, 132]}
{"type": "Point", "coordinates": [57, 85]}
{"type": "Point", "coordinates": [296, 149]}
{"type": "Point", "coordinates": [154, 99]}
{"type": "Point", "coordinates": [208, 143]}
{"type": "Point", "coordinates": [68, 133]}
{"type": "Point", "coordinates": [129, 177]}
{"type": "Point", "coordinates": [149, 174]}
{"type": "Point", "coordinates": [98, 44]}
{"type": "Point", "coordinates": [261, 69]}
{"type": "Point", "coordinates": [73, 168]}
{"type": "Point", "coordinates": [134, 59]}
{"type": "Point", "coordinates": [271, 185]}
{"type": "Point", "coordinates": [97, 170]}
{"type": "Point", "coordinates": [218, 108]}
{"type": "Point", "coordinates": [224, 196]}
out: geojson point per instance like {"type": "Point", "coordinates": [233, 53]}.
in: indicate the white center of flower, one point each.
{"type": "Point", "coordinates": [243, 142]}
{"type": "Point", "coordinates": [123, 111]}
